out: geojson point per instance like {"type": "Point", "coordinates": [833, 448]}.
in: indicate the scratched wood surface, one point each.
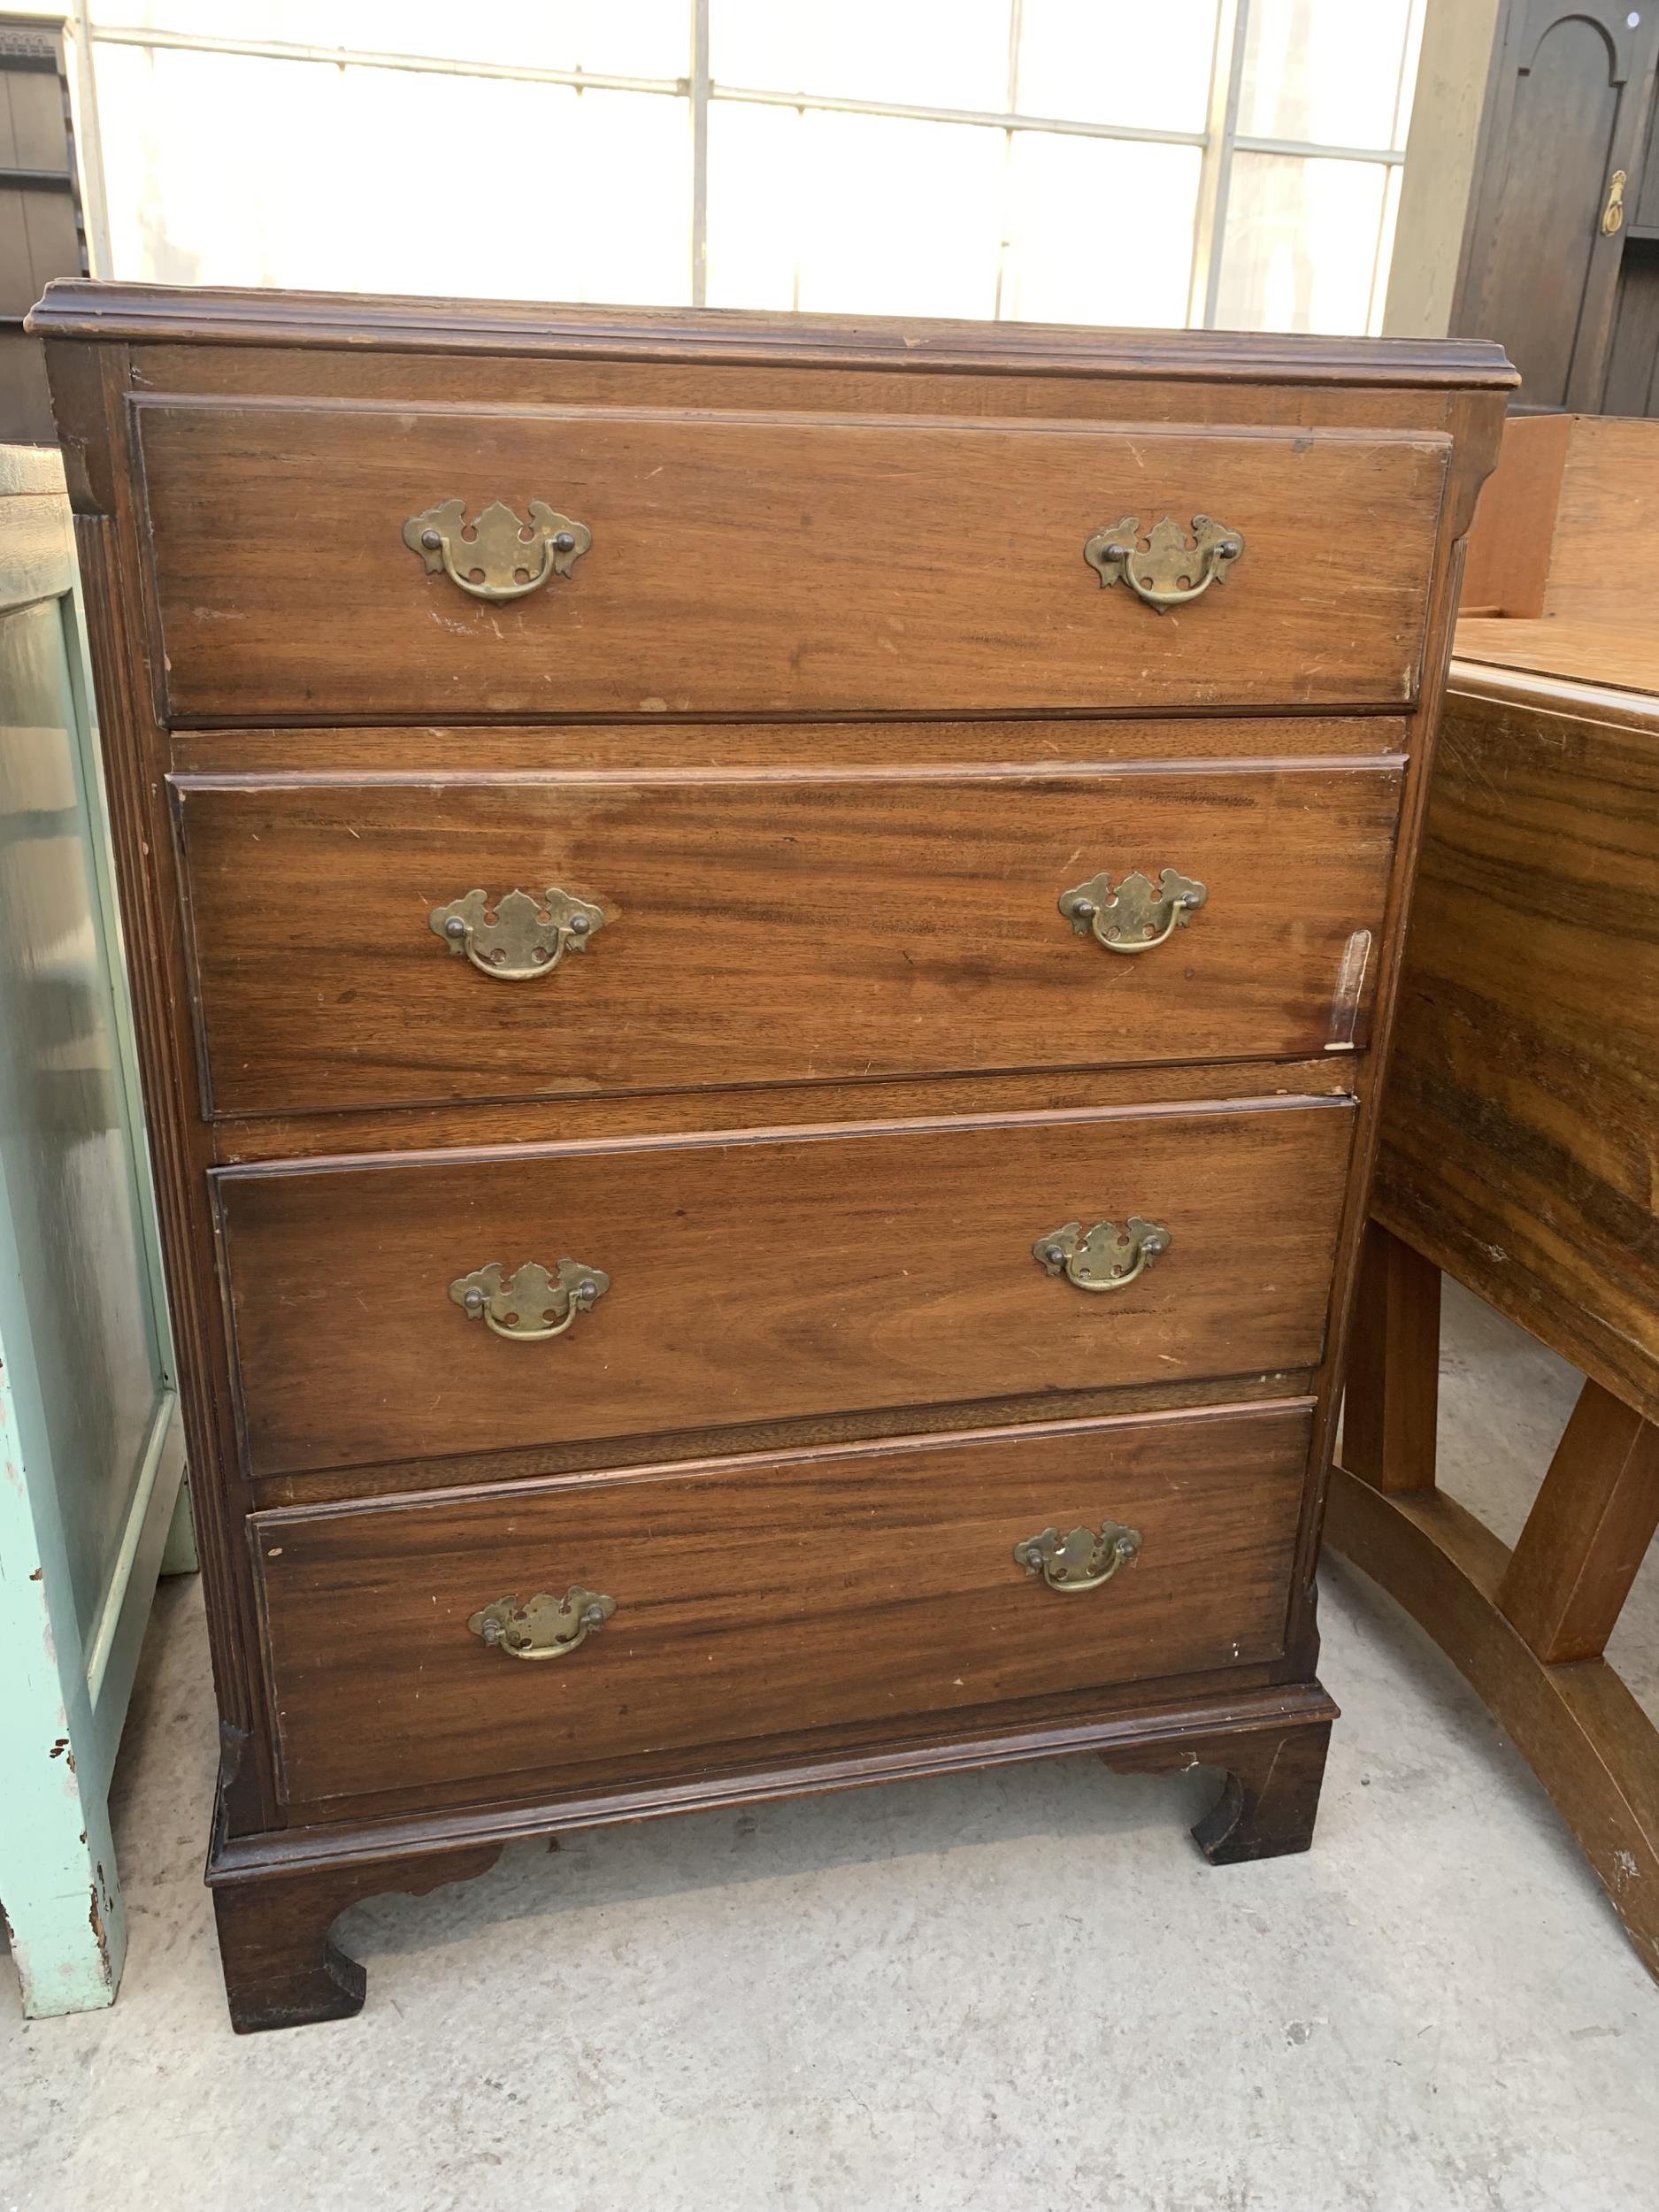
{"type": "Point", "coordinates": [755, 1276]}
{"type": "Point", "coordinates": [763, 563]}
{"type": "Point", "coordinates": [820, 546]}
{"type": "Point", "coordinates": [756, 1597]}
{"type": "Point", "coordinates": [769, 931]}
{"type": "Point", "coordinates": [1523, 1102]}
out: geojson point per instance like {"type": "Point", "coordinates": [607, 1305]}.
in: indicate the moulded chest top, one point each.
{"type": "Point", "coordinates": [187, 314]}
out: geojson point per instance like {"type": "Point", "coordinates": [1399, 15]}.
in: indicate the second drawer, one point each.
{"type": "Point", "coordinates": [638, 933]}
{"type": "Point", "coordinates": [499, 1301]}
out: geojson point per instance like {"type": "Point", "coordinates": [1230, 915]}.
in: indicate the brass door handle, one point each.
{"type": "Point", "coordinates": [1134, 918]}
{"type": "Point", "coordinates": [1167, 572]}
{"type": "Point", "coordinates": [1613, 213]}
{"type": "Point", "coordinates": [1103, 1260]}
{"type": "Point", "coordinates": [1081, 1560]}
{"type": "Point", "coordinates": [545, 1627]}
{"type": "Point", "coordinates": [517, 937]}
{"type": "Point", "coordinates": [504, 559]}
{"type": "Point", "coordinates": [518, 1307]}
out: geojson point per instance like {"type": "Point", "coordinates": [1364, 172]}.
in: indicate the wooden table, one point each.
{"type": "Point", "coordinates": [1520, 1145]}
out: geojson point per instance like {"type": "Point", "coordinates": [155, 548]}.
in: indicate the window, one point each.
{"type": "Point", "coordinates": [1230, 162]}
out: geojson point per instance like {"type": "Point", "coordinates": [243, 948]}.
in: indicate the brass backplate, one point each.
{"type": "Point", "coordinates": [497, 557]}
{"type": "Point", "coordinates": [1081, 1560]}
{"type": "Point", "coordinates": [544, 1627]}
{"type": "Point", "coordinates": [529, 1302]}
{"type": "Point", "coordinates": [519, 936]}
{"type": "Point", "coordinates": [1136, 916]}
{"type": "Point", "coordinates": [1168, 570]}
{"type": "Point", "coordinates": [1101, 1259]}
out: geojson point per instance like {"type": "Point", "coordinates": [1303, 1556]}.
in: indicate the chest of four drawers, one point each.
{"type": "Point", "coordinates": [766, 947]}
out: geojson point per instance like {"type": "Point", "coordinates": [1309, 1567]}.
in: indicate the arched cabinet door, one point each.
{"type": "Point", "coordinates": [1564, 114]}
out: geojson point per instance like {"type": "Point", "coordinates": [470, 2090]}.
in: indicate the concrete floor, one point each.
{"type": "Point", "coordinates": [1022, 1983]}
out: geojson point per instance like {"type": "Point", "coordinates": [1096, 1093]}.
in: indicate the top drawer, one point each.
{"type": "Point", "coordinates": [737, 564]}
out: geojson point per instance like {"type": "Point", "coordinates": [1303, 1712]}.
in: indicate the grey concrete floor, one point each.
{"type": "Point", "coordinates": [1021, 1985]}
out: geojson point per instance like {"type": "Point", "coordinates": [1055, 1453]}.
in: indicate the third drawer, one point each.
{"type": "Point", "coordinates": [439, 1307]}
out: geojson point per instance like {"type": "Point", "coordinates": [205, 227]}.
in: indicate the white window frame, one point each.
{"type": "Point", "coordinates": [1218, 142]}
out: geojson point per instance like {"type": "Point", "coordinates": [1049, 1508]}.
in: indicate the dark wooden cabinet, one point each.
{"type": "Point", "coordinates": [1632, 368]}
{"type": "Point", "coordinates": [795, 1412]}
{"type": "Point", "coordinates": [1555, 266]}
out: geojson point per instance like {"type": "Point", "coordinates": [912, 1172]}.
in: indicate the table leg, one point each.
{"type": "Point", "coordinates": [1587, 1532]}
{"type": "Point", "coordinates": [1526, 1628]}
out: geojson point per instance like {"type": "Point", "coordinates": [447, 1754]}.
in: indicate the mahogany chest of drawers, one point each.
{"type": "Point", "coordinates": [763, 946]}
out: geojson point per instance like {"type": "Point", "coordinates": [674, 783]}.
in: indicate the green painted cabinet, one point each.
{"type": "Point", "coordinates": [91, 1454]}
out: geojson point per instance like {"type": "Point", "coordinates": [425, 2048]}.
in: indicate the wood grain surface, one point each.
{"type": "Point", "coordinates": [761, 1275]}
{"type": "Point", "coordinates": [764, 564]}
{"type": "Point", "coordinates": [219, 316]}
{"type": "Point", "coordinates": [1619, 651]}
{"type": "Point", "coordinates": [1519, 1125]}
{"type": "Point", "coordinates": [778, 930]}
{"type": "Point", "coordinates": [1086, 743]}
{"type": "Point", "coordinates": [839, 553]}
{"type": "Point", "coordinates": [758, 1597]}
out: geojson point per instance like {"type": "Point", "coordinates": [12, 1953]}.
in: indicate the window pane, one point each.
{"type": "Point", "coordinates": [919, 53]}
{"type": "Point", "coordinates": [205, 188]}
{"type": "Point", "coordinates": [644, 38]}
{"type": "Point", "coordinates": [754, 186]}
{"type": "Point", "coordinates": [852, 213]}
{"type": "Point", "coordinates": [1301, 243]}
{"type": "Point", "coordinates": [1327, 71]}
{"type": "Point", "coordinates": [1118, 61]}
{"type": "Point", "coordinates": [1070, 260]}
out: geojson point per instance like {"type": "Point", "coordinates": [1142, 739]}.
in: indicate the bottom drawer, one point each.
{"type": "Point", "coordinates": [755, 1597]}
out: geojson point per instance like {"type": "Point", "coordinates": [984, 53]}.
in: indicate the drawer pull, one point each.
{"type": "Point", "coordinates": [519, 937]}
{"type": "Point", "coordinates": [1167, 572]}
{"type": "Point", "coordinates": [1134, 918]}
{"type": "Point", "coordinates": [519, 1305]}
{"type": "Point", "coordinates": [1103, 1260]}
{"type": "Point", "coordinates": [1081, 1560]}
{"type": "Point", "coordinates": [547, 1627]}
{"type": "Point", "coordinates": [504, 559]}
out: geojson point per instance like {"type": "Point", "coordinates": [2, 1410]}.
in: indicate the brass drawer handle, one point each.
{"type": "Point", "coordinates": [504, 559]}
{"type": "Point", "coordinates": [518, 1307]}
{"type": "Point", "coordinates": [1134, 918]}
{"type": "Point", "coordinates": [545, 1627]}
{"type": "Point", "coordinates": [1081, 1560]}
{"type": "Point", "coordinates": [1103, 1260]}
{"type": "Point", "coordinates": [1167, 572]}
{"type": "Point", "coordinates": [520, 936]}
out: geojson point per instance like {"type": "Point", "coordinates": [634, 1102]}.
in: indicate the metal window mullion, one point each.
{"type": "Point", "coordinates": [1226, 138]}
{"type": "Point", "coordinates": [982, 119]}
{"type": "Point", "coordinates": [1410, 50]}
{"type": "Point", "coordinates": [83, 108]}
{"type": "Point", "coordinates": [1309, 149]}
{"type": "Point", "coordinates": [699, 152]}
{"type": "Point", "coordinates": [1204, 242]}
{"type": "Point", "coordinates": [363, 57]}
{"type": "Point", "coordinates": [1015, 27]}
{"type": "Point", "coordinates": [1405, 86]}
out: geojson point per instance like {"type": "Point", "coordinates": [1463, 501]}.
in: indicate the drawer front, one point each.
{"type": "Point", "coordinates": [749, 930]}
{"type": "Point", "coordinates": [757, 1597]}
{"type": "Point", "coordinates": [771, 563]}
{"type": "Point", "coordinates": [766, 1276]}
